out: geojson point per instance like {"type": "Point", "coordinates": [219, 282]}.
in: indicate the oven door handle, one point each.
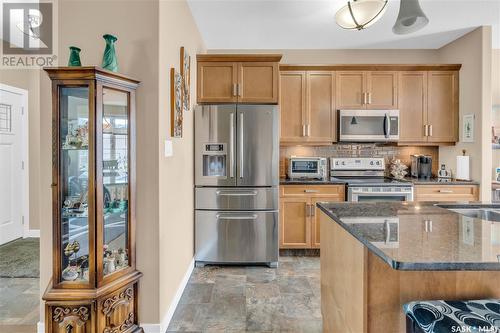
{"type": "Point", "coordinates": [387, 231]}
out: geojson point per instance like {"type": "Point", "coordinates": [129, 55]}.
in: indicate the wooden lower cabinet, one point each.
{"type": "Point", "coordinates": [115, 311]}
{"type": "Point", "coordinates": [446, 193]}
{"type": "Point", "coordinates": [299, 216]}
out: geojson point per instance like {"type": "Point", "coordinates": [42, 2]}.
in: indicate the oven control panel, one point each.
{"type": "Point", "coordinates": [357, 163]}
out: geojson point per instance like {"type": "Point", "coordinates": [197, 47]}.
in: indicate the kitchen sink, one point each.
{"type": "Point", "coordinates": [486, 212]}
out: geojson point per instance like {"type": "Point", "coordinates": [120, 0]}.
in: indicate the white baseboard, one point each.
{"type": "Point", "coordinates": [151, 328]}
{"type": "Point", "coordinates": [40, 327]}
{"type": "Point", "coordinates": [32, 233]}
{"type": "Point", "coordinates": [162, 327]}
{"type": "Point", "coordinates": [173, 305]}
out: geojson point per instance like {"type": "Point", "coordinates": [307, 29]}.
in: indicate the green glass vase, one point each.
{"type": "Point", "coordinates": [74, 57]}
{"type": "Point", "coordinates": [109, 61]}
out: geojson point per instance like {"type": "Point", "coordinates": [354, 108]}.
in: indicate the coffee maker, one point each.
{"type": "Point", "coordinates": [421, 166]}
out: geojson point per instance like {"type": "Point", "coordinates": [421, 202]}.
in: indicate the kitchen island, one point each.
{"type": "Point", "coordinates": [377, 256]}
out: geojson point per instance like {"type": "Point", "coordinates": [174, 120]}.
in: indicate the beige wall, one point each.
{"type": "Point", "coordinates": [28, 79]}
{"type": "Point", "coordinates": [495, 79]}
{"type": "Point", "coordinates": [348, 56]}
{"type": "Point", "coordinates": [177, 28]}
{"type": "Point", "coordinates": [135, 23]}
{"type": "Point", "coordinates": [473, 51]}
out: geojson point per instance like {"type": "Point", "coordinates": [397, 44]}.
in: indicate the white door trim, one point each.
{"type": "Point", "coordinates": [25, 156]}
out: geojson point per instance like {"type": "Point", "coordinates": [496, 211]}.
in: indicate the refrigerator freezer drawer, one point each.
{"type": "Point", "coordinates": [236, 198]}
{"type": "Point", "coordinates": [236, 237]}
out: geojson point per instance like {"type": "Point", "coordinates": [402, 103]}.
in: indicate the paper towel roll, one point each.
{"type": "Point", "coordinates": [462, 168]}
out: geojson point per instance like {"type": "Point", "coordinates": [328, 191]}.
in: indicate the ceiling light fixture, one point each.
{"type": "Point", "coordinates": [360, 14]}
{"type": "Point", "coordinates": [410, 19]}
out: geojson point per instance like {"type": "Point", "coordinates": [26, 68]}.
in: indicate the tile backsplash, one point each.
{"type": "Point", "coordinates": [359, 150]}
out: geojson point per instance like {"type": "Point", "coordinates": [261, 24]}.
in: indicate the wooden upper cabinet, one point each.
{"type": "Point", "coordinates": [217, 82]}
{"type": "Point", "coordinates": [350, 90]}
{"type": "Point", "coordinates": [238, 78]}
{"type": "Point", "coordinates": [443, 106]}
{"type": "Point", "coordinates": [292, 105]}
{"type": "Point", "coordinates": [320, 110]}
{"type": "Point", "coordinates": [382, 90]}
{"type": "Point", "coordinates": [258, 82]}
{"type": "Point", "coordinates": [412, 106]}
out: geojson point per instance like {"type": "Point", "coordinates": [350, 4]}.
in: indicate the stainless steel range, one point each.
{"type": "Point", "coordinates": [236, 184]}
{"type": "Point", "coordinates": [365, 180]}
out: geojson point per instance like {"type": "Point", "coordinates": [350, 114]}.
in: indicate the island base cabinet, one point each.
{"type": "Point", "coordinates": [362, 293]}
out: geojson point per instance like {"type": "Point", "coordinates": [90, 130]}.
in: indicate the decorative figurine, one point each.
{"type": "Point", "coordinates": [71, 248]}
{"type": "Point", "coordinates": [74, 57]}
{"type": "Point", "coordinates": [398, 169]}
{"type": "Point", "coordinates": [77, 138]}
{"type": "Point", "coordinates": [70, 273]}
{"type": "Point", "coordinates": [109, 61]}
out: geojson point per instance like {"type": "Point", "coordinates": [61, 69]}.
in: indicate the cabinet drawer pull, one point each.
{"type": "Point", "coordinates": [311, 191]}
{"type": "Point", "coordinates": [445, 191]}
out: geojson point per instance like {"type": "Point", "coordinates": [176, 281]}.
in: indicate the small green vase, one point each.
{"type": "Point", "coordinates": [109, 57]}
{"type": "Point", "coordinates": [74, 57]}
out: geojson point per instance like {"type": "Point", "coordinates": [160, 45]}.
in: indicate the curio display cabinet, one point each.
{"type": "Point", "coordinates": [94, 286]}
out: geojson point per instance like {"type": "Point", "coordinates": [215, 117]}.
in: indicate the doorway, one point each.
{"type": "Point", "coordinates": [13, 163]}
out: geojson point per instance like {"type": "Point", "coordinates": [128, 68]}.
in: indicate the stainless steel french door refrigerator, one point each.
{"type": "Point", "coordinates": [236, 184]}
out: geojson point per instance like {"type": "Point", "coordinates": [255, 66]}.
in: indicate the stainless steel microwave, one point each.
{"type": "Point", "coordinates": [368, 125]}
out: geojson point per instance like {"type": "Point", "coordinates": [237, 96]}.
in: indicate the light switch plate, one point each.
{"type": "Point", "coordinates": [169, 148]}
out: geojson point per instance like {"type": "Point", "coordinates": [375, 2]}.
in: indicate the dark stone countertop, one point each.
{"type": "Point", "coordinates": [286, 181]}
{"type": "Point", "coordinates": [440, 181]}
{"type": "Point", "coordinates": [399, 234]}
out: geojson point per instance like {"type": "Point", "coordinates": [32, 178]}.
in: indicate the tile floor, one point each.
{"type": "Point", "coordinates": [19, 304]}
{"type": "Point", "coordinates": [252, 299]}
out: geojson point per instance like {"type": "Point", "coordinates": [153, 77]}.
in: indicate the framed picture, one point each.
{"type": "Point", "coordinates": [468, 128]}
{"type": "Point", "coordinates": [186, 78]}
{"type": "Point", "coordinates": [176, 106]}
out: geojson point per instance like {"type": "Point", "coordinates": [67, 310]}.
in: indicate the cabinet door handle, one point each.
{"type": "Point", "coordinates": [311, 191]}
{"type": "Point", "coordinates": [308, 211]}
{"type": "Point", "coordinates": [240, 88]}
{"type": "Point", "coordinates": [364, 98]}
{"type": "Point", "coordinates": [426, 226]}
{"type": "Point", "coordinates": [426, 130]}
{"type": "Point", "coordinates": [369, 98]}
{"type": "Point", "coordinates": [234, 89]}
{"type": "Point", "coordinates": [313, 210]}
{"type": "Point", "coordinates": [430, 130]}
{"type": "Point", "coordinates": [430, 225]}
{"type": "Point", "coordinates": [304, 130]}
{"type": "Point", "coordinates": [308, 126]}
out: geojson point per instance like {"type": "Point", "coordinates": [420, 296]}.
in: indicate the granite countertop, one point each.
{"type": "Point", "coordinates": [440, 181]}
{"type": "Point", "coordinates": [286, 181]}
{"type": "Point", "coordinates": [401, 234]}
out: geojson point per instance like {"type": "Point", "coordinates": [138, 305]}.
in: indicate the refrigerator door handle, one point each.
{"type": "Point", "coordinates": [231, 144]}
{"type": "Point", "coordinates": [236, 194]}
{"type": "Point", "coordinates": [241, 146]}
{"type": "Point", "coordinates": [236, 217]}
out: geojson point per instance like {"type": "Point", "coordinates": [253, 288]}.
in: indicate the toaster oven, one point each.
{"type": "Point", "coordinates": [307, 168]}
